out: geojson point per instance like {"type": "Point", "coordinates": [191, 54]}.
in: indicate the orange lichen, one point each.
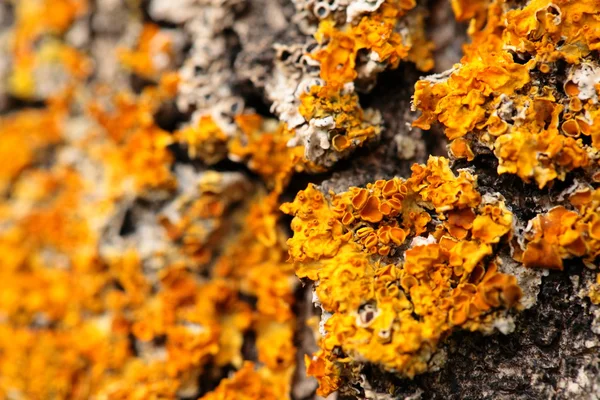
{"type": "Point", "coordinates": [465, 10]}
{"type": "Point", "coordinates": [352, 53]}
{"type": "Point", "coordinates": [444, 281]}
{"type": "Point", "coordinates": [62, 281]}
{"type": "Point", "coordinates": [202, 323]}
{"type": "Point", "coordinates": [374, 33]}
{"type": "Point", "coordinates": [561, 233]}
{"type": "Point", "coordinates": [256, 262]}
{"type": "Point", "coordinates": [194, 222]}
{"type": "Point", "coordinates": [165, 270]}
{"type": "Point", "coordinates": [52, 278]}
{"type": "Point", "coordinates": [153, 53]}
{"type": "Point", "coordinates": [39, 128]}
{"type": "Point", "coordinates": [204, 140]}
{"type": "Point", "coordinates": [258, 259]}
{"type": "Point", "coordinates": [247, 384]}
{"type": "Point", "coordinates": [563, 30]}
{"type": "Point", "coordinates": [35, 20]}
{"type": "Point", "coordinates": [58, 360]}
{"type": "Point", "coordinates": [128, 275]}
{"type": "Point", "coordinates": [263, 145]}
{"type": "Point", "coordinates": [494, 99]}
{"type": "Point", "coordinates": [52, 255]}
{"type": "Point", "coordinates": [459, 148]}
{"type": "Point", "coordinates": [420, 48]}
{"type": "Point", "coordinates": [352, 125]}
{"type": "Point", "coordinates": [259, 142]}
{"type": "Point", "coordinates": [136, 146]}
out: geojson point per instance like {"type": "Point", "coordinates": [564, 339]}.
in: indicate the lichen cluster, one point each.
{"type": "Point", "coordinates": [314, 87]}
{"type": "Point", "coordinates": [38, 61]}
{"type": "Point", "coordinates": [563, 233]}
{"type": "Point", "coordinates": [526, 90]}
{"type": "Point", "coordinates": [91, 311]}
{"type": "Point", "coordinates": [399, 265]}
{"type": "Point", "coordinates": [126, 275]}
{"type": "Point", "coordinates": [151, 151]}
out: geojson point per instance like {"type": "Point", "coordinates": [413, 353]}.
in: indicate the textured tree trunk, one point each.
{"type": "Point", "coordinates": [551, 352]}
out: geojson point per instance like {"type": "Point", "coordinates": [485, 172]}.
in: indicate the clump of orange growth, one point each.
{"type": "Point", "coordinates": [32, 46]}
{"type": "Point", "coordinates": [24, 137]}
{"type": "Point", "coordinates": [58, 360]}
{"type": "Point", "coordinates": [130, 143]}
{"type": "Point", "coordinates": [204, 139]}
{"type": "Point", "coordinates": [421, 49]}
{"type": "Point", "coordinates": [399, 265]}
{"type": "Point", "coordinates": [465, 10]}
{"type": "Point", "coordinates": [257, 253]}
{"type": "Point", "coordinates": [374, 33]}
{"type": "Point", "coordinates": [79, 304]}
{"type": "Point", "coordinates": [263, 146]}
{"type": "Point", "coordinates": [256, 261]}
{"type": "Point", "coordinates": [53, 282]}
{"type": "Point", "coordinates": [58, 287]}
{"type": "Point", "coordinates": [259, 142]}
{"type": "Point", "coordinates": [96, 304]}
{"type": "Point", "coordinates": [201, 324]}
{"type": "Point", "coordinates": [247, 384]}
{"type": "Point", "coordinates": [205, 320]}
{"type": "Point", "coordinates": [37, 17]}
{"type": "Point", "coordinates": [562, 233]}
{"type": "Point", "coordinates": [195, 221]}
{"type": "Point", "coordinates": [501, 97]}
{"type": "Point", "coordinates": [347, 125]}
{"type": "Point", "coordinates": [349, 53]}
{"type": "Point", "coordinates": [551, 31]}
{"type": "Point", "coordinates": [152, 55]}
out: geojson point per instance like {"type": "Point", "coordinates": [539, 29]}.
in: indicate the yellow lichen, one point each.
{"type": "Point", "coordinates": [374, 32]}
{"type": "Point", "coordinates": [247, 384]}
{"type": "Point", "coordinates": [36, 21]}
{"type": "Point", "coordinates": [129, 275]}
{"type": "Point", "coordinates": [259, 142]}
{"type": "Point", "coordinates": [467, 9]}
{"type": "Point", "coordinates": [132, 144]}
{"type": "Point", "coordinates": [61, 281]}
{"type": "Point", "coordinates": [353, 53]}
{"type": "Point", "coordinates": [388, 309]}
{"type": "Point", "coordinates": [204, 140]}
{"type": "Point", "coordinates": [42, 128]}
{"type": "Point", "coordinates": [562, 233]}
{"type": "Point", "coordinates": [152, 55]}
{"type": "Point", "coordinates": [263, 145]}
{"type": "Point", "coordinates": [351, 127]}
{"type": "Point", "coordinates": [534, 128]}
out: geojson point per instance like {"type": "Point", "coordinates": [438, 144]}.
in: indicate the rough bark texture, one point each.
{"type": "Point", "coordinates": [552, 352]}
